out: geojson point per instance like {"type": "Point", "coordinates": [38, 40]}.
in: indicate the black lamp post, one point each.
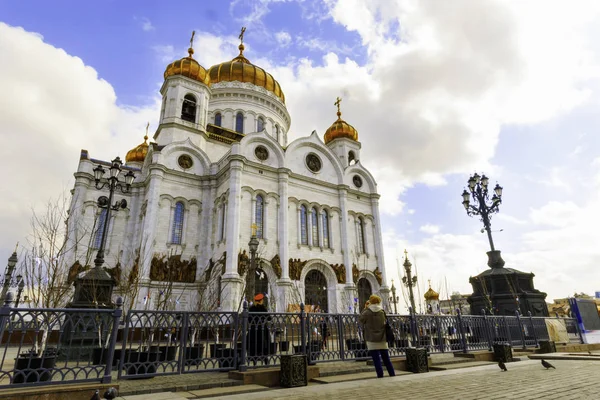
{"type": "Point", "coordinates": [394, 299]}
{"type": "Point", "coordinates": [8, 280]}
{"type": "Point", "coordinates": [409, 280]}
{"type": "Point", "coordinates": [478, 187]}
{"type": "Point", "coordinates": [251, 275]}
{"type": "Point", "coordinates": [94, 289]}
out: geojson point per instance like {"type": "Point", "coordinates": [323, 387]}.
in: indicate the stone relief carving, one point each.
{"type": "Point", "coordinates": [340, 272]}
{"type": "Point", "coordinates": [377, 273]}
{"type": "Point", "coordinates": [243, 262]}
{"type": "Point", "coordinates": [172, 269]}
{"type": "Point", "coordinates": [276, 265]}
{"type": "Point", "coordinates": [355, 273]}
{"type": "Point", "coordinates": [296, 266]}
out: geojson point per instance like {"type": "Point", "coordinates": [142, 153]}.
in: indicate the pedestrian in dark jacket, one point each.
{"type": "Point", "coordinates": [373, 320]}
{"type": "Point", "coordinates": [258, 331]}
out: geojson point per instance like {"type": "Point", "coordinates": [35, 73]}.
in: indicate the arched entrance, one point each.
{"type": "Point", "coordinates": [315, 290]}
{"type": "Point", "coordinates": [364, 291]}
{"type": "Point", "coordinates": [261, 283]}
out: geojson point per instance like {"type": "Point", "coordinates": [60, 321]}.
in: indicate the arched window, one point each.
{"type": "Point", "coordinates": [361, 235]}
{"type": "Point", "coordinates": [100, 228]}
{"type": "Point", "coordinates": [303, 226]}
{"type": "Point", "coordinates": [260, 124]}
{"type": "Point", "coordinates": [315, 226]}
{"type": "Point", "coordinates": [351, 157]}
{"type": "Point", "coordinates": [239, 122]}
{"type": "Point", "coordinates": [218, 119]}
{"type": "Point", "coordinates": [325, 229]}
{"type": "Point", "coordinates": [259, 216]}
{"type": "Point", "coordinates": [188, 110]}
{"type": "Point", "coordinates": [222, 222]}
{"type": "Point", "coordinates": [277, 132]}
{"type": "Point", "coordinates": [177, 230]}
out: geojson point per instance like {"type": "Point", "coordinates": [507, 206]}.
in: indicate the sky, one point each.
{"type": "Point", "coordinates": [437, 91]}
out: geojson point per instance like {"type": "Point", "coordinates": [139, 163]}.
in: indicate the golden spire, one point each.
{"type": "Point", "coordinates": [146, 136]}
{"type": "Point", "coordinates": [405, 254]}
{"type": "Point", "coordinates": [337, 103]}
{"type": "Point", "coordinates": [241, 37]}
{"type": "Point", "coordinates": [16, 247]}
{"type": "Point", "coordinates": [191, 49]}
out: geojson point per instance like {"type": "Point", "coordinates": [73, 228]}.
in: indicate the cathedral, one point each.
{"type": "Point", "coordinates": [219, 172]}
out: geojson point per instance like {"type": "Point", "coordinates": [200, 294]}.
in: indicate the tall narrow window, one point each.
{"type": "Point", "coordinates": [361, 235]}
{"type": "Point", "coordinates": [218, 121]}
{"type": "Point", "coordinates": [222, 219]}
{"type": "Point", "coordinates": [314, 217]}
{"type": "Point", "coordinates": [303, 226]}
{"type": "Point", "coordinates": [100, 228]}
{"type": "Point", "coordinates": [277, 132]}
{"type": "Point", "coordinates": [260, 204]}
{"type": "Point", "coordinates": [260, 124]}
{"type": "Point", "coordinates": [239, 122]}
{"type": "Point", "coordinates": [188, 109]}
{"type": "Point", "coordinates": [325, 229]}
{"type": "Point", "coordinates": [177, 230]}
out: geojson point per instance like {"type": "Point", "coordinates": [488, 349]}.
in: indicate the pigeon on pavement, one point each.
{"type": "Point", "coordinates": [502, 366]}
{"type": "Point", "coordinates": [96, 396]}
{"type": "Point", "coordinates": [547, 365]}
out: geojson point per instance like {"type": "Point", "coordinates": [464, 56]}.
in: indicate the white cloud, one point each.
{"type": "Point", "coordinates": [48, 115]}
{"type": "Point", "coordinates": [430, 229]}
{"type": "Point", "coordinates": [283, 38]}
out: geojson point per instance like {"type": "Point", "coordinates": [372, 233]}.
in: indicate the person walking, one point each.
{"type": "Point", "coordinates": [373, 320]}
{"type": "Point", "coordinates": [258, 331]}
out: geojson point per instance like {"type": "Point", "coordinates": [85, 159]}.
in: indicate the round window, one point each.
{"type": "Point", "coordinates": [261, 153]}
{"type": "Point", "coordinates": [313, 162]}
{"type": "Point", "coordinates": [357, 180]}
{"type": "Point", "coordinates": [185, 161]}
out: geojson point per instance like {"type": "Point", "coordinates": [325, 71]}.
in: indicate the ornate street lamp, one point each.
{"type": "Point", "coordinates": [94, 289]}
{"type": "Point", "coordinates": [394, 299]}
{"type": "Point", "coordinates": [482, 205]}
{"type": "Point", "coordinates": [8, 280]}
{"type": "Point", "coordinates": [409, 280]}
{"type": "Point", "coordinates": [251, 275]}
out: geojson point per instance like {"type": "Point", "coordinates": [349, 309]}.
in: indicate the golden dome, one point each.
{"type": "Point", "coordinates": [431, 294]}
{"type": "Point", "coordinates": [188, 67]}
{"type": "Point", "coordinates": [138, 153]}
{"type": "Point", "coordinates": [242, 70]}
{"type": "Point", "coordinates": [340, 128]}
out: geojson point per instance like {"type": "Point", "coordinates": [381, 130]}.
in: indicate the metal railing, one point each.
{"type": "Point", "coordinates": [46, 346]}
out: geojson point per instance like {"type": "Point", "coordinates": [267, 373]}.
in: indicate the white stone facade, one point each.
{"type": "Point", "coordinates": [219, 192]}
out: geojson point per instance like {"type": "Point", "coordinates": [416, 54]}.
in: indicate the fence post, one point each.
{"type": "Point", "coordinates": [518, 314]}
{"type": "Point", "coordinates": [302, 328]}
{"type": "Point", "coordinates": [488, 334]}
{"type": "Point", "coordinates": [413, 327]}
{"type": "Point", "coordinates": [535, 339]}
{"type": "Point", "coordinates": [113, 340]}
{"type": "Point", "coordinates": [183, 338]}
{"type": "Point", "coordinates": [507, 328]}
{"type": "Point", "coordinates": [124, 345]}
{"type": "Point", "coordinates": [242, 366]}
{"type": "Point", "coordinates": [461, 331]}
{"type": "Point", "coordinates": [341, 335]}
{"type": "Point", "coordinates": [579, 333]}
{"type": "Point", "coordinates": [5, 312]}
{"type": "Point", "coordinates": [438, 327]}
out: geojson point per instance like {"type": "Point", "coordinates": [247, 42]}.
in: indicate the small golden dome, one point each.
{"type": "Point", "coordinates": [431, 294]}
{"type": "Point", "coordinates": [242, 70]}
{"type": "Point", "coordinates": [187, 67]}
{"type": "Point", "coordinates": [138, 153]}
{"type": "Point", "coordinates": [340, 128]}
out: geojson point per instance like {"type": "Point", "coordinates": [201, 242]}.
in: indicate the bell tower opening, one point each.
{"type": "Point", "coordinates": [188, 110]}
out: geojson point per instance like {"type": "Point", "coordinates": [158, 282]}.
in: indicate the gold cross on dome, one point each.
{"type": "Point", "coordinates": [241, 37]}
{"type": "Point", "coordinates": [337, 103]}
{"type": "Point", "coordinates": [192, 39]}
{"type": "Point", "coordinates": [405, 254]}
{"type": "Point", "coordinates": [254, 228]}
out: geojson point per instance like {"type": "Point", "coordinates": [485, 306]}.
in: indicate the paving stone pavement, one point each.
{"type": "Point", "coordinates": [525, 380]}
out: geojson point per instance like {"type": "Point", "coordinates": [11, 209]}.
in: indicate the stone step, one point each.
{"type": "Point", "coordinates": [346, 371]}
{"type": "Point", "coordinates": [352, 377]}
{"type": "Point", "coordinates": [223, 391]}
{"type": "Point", "coordinates": [466, 364]}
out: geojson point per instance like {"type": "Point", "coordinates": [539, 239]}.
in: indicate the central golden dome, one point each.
{"type": "Point", "coordinates": [138, 153]}
{"type": "Point", "coordinates": [242, 70]}
{"type": "Point", "coordinates": [431, 294]}
{"type": "Point", "coordinates": [340, 128]}
{"type": "Point", "coordinates": [188, 67]}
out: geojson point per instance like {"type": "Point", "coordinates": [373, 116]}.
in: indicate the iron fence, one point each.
{"type": "Point", "coordinates": [46, 346]}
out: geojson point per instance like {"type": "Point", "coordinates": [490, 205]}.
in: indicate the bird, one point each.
{"type": "Point", "coordinates": [110, 393]}
{"type": "Point", "coordinates": [502, 366]}
{"type": "Point", "coordinates": [96, 396]}
{"type": "Point", "coordinates": [590, 353]}
{"type": "Point", "coordinates": [547, 365]}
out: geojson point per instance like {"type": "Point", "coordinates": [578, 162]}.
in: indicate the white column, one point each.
{"type": "Point", "coordinates": [320, 224]}
{"type": "Point", "coordinates": [282, 229]}
{"type": "Point", "coordinates": [343, 195]}
{"type": "Point", "coordinates": [205, 227]}
{"type": "Point", "coordinates": [233, 217]}
{"type": "Point", "coordinates": [151, 220]}
{"type": "Point", "coordinates": [377, 242]}
{"type": "Point", "coordinates": [224, 221]}
{"type": "Point", "coordinates": [265, 218]}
